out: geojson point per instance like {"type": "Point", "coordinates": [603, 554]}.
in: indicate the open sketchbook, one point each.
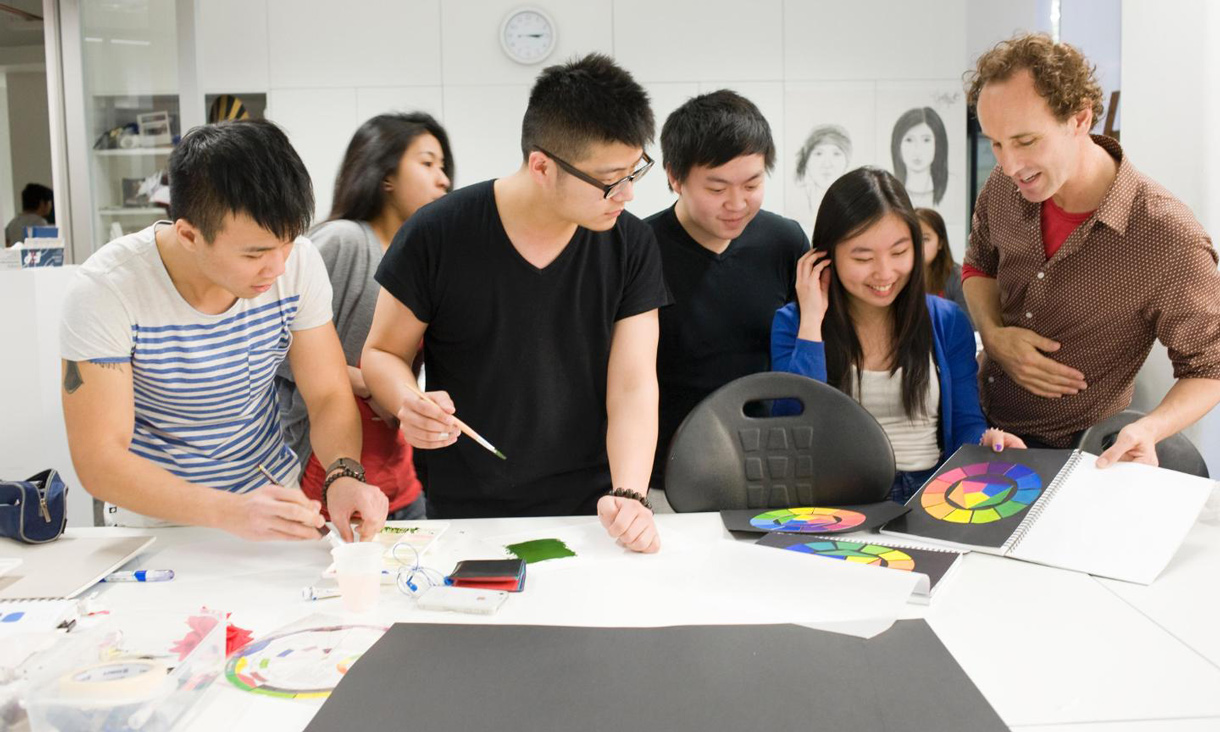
{"type": "Point", "coordinates": [66, 567]}
{"type": "Point", "coordinates": [1056, 507]}
{"type": "Point", "coordinates": [932, 564]}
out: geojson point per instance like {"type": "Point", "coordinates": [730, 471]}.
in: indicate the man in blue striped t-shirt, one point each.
{"type": "Point", "coordinates": [171, 337]}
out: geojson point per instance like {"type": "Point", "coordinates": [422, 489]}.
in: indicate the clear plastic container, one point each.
{"type": "Point", "coordinates": [358, 572]}
{"type": "Point", "coordinates": [127, 674]}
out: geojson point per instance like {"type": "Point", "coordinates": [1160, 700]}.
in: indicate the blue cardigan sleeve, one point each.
{"type": "Point", "coordinates": [791, 354]}
{"type": "Point", "coordinates": [959, 347]}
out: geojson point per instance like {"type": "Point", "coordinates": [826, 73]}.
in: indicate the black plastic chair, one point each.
{"type": "Point", "coordinates": [834, 453]}
{"type": "Point", "coordinates": [1176, 452]}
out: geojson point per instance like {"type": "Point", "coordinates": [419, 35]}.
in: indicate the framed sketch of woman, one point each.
{"type": "Point", "coordinates": [919, 146]}
{"type": "Point", "coordinates": [824, 157]}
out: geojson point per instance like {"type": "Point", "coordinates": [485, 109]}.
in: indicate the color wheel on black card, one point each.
{"type": "Point", "coordinates": [979, 499]}
{"type": "Point", "coordinates": [859, 552]}
{"type": "Point", "coordinates": [808, 520]}
{"type": "Point", "coordinates": [812, 519]}
{"type": "Point", "coordinates": [981, 493]}
{"type": "Point", "coordinates": [928, 561]}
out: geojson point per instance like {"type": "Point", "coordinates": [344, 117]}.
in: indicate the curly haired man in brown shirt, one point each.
{"type": "Point", "coordinates": [1077, 263]}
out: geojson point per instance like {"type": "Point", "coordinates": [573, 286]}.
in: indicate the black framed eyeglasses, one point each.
{"type": "Point", "coordinates": [609, 189]}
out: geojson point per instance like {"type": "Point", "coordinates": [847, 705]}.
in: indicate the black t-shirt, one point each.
{"type": "Point", "coordinates": [522, 351]}
{"type": "Point", "coordinates": [719, 327]}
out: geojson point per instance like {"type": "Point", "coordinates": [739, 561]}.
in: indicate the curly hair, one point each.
{"type": "Point", "coordinates": [1062, 75]}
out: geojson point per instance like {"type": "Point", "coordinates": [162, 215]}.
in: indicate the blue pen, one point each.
{"type": "Point", "coordinates": [141, 575]}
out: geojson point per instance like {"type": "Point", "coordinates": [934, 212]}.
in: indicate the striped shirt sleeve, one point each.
{"type": "Point", "coordinates": [96, 325]}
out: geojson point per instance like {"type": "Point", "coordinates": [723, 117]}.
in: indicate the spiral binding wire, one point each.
{"type": "Point", "coordinates": [1040, 505]}
{"type": "Point", "coordinates": [414, 579]}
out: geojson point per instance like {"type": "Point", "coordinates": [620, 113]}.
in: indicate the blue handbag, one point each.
{"type": "Point", "coordinates": [34, 511]}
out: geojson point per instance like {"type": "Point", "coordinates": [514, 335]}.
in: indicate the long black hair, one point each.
{"type": "Point", "coordinates": [940, 156]}
{"type": "Point", "coordinates": [373, 155]}
{"type": "Point", "coordinates": [853, 203]}
{"type": "Point", "coordinates": [942, 266]}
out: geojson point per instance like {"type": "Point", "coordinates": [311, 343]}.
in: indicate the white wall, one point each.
{"type": "Point", "coordinates": [1171, 74]}
{"type": "Point", "coordinates": [1095, 27]}
{"type": "Point", "coordinates": [326, 67]}
{"type": "Point", "coordinates": [32, 436]}
{"type": "Point", "coordinates": [29, 130]}
{"type": "Point", "coordinates": [989, 21]}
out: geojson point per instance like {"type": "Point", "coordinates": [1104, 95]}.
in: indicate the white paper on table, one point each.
{"type": "Point", "coordinates": [733, 583]}
{"type": "Point", "coordinates": [589, 541]}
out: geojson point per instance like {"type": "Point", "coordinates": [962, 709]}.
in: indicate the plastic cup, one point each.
{"type": "Point", "coordinates": [358, 572]}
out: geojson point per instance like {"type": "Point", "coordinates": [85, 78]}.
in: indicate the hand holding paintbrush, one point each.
{"type": "Point", "coordinates": [428, 424]}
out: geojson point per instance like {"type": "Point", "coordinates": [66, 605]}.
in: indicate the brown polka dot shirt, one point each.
{"type": "Point", "coordinates": [1140, 268]}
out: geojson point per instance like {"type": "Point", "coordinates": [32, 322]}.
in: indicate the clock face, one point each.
{"type": "Point", "coordinates": [528, 36]}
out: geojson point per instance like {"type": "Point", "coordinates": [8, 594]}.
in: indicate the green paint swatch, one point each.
{"type": "Point", "coordinates": [540, 550]}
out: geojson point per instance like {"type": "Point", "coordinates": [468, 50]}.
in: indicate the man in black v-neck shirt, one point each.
{"type": "Point", "coordinates": [536, 297]}
{"type": "Point", "coordinates": [728, 265]}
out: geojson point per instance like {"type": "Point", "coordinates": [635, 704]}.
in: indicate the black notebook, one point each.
{"type": "Point", "coordinates": [812, 519]}
{"type": "Point", "coordinates": [931, 563]}
{"type": "Point", "coordinates": [1056, 507]}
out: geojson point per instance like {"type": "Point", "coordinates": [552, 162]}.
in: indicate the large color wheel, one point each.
{"type": "Point", "coordinates": [981, 493]}
{"type": "Point", "coordinates": [300, 664]}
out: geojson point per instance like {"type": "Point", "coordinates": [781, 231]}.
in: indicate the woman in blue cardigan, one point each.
{"type": "Point", "coordinates": [862, 323]}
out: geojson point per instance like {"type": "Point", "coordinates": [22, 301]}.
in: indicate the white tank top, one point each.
{"type": "Point", "coordinates": [914, 440]}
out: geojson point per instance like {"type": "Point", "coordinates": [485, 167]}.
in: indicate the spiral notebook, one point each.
{"type": "Point", "coordinates": [1056, 507]}
{"type": "Point", "coordinates": [932, 564]}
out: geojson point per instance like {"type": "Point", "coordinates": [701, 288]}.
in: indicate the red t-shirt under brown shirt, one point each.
{"type": "Point", "coordinates": [1138, 269]}
{"type": "Point", "coordinates": [1057, 226]}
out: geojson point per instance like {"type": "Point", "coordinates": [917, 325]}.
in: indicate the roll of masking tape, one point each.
{"type": "Point", "coordinates": [114, 682]}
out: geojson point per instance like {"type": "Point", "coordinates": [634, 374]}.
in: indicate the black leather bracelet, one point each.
{"type": "Point", "coordinates": [624, 493]}
{"type": "Point", "coordinates": [342, 472]}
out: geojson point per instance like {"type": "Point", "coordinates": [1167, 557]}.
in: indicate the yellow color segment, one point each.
{"type": "Point", "coordinates": [959, 516]}
{"type": "Point", "coordinates": [970, 500]}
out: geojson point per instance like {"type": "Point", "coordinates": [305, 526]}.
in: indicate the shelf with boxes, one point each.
{"type": "Point", "coordinates": [135, 135]}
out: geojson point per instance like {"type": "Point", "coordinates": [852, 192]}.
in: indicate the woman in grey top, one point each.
{"type": "Point", "coordinates": [944, 276]}
{"type": "Point", "coordinates": [395, 165]}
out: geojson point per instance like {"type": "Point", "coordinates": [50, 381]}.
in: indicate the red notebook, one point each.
{"type": "Point", "coordinates": [507, 575]}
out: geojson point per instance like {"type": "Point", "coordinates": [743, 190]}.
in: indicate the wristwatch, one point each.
{"type": "Point", "coordinates": [344, 467]}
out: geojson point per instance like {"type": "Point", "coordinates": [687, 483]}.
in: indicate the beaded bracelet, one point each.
{"type": "Point", "coordinates": [624, 493]}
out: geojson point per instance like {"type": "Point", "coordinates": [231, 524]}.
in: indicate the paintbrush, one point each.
{"type": "Point", "coordinates": [324, 531]}
{"type": "Point", "coordinates": [465, 428]}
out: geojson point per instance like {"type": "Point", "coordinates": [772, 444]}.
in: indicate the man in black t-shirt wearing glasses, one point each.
{"type": "Point", "coordinates": [536, 298]}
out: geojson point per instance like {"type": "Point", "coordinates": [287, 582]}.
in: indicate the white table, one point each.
{"type": "Point", "coordinates": [1052, 650]}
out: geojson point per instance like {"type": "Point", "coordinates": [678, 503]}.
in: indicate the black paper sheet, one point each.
{"type": "Point", "coordinates": [677, 679]}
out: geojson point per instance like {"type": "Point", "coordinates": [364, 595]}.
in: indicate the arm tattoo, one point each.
{"type": "Point", "coordinates": [72, 378]}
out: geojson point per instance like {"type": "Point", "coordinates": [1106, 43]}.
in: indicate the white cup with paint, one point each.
{"type": "Point", "coordinates": [358, 572]}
